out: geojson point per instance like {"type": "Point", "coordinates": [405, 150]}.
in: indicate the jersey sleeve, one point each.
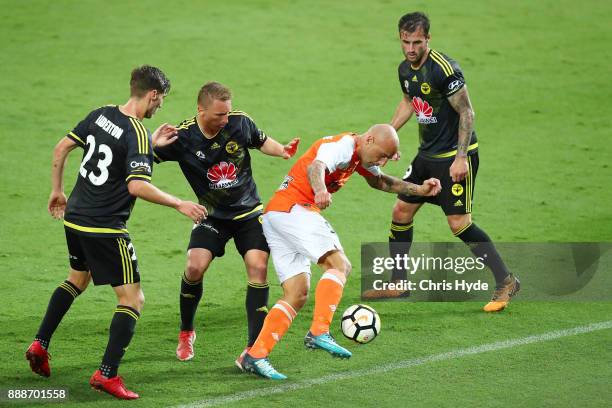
{"type": "Point", "coordinates": [79, 134]}
{"type": "Point", "coordinates": [335, 154]}
{"type": "Point", "coordinates": [448, 75]}
{"type": "Point", "coordinates": [171, 152]}
{"type": "Point", "coordinates": [403, 78]}
{"type": "Point", "coordinates": [255, 136]}
{"type": "Point", "coordinates": [139, 157]}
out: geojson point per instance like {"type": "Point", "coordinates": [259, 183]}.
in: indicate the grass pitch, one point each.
{"type": "Point", "coordinates": [537, 77]}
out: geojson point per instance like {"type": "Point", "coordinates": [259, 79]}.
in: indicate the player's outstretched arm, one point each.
{"type": "Point", "coordinates": [57, 199]}
{"type": "Point", "coordinates": [402, 114]}
{"type": "Point", "coordinates": [149, 192]}
{"type": "Point", "coordinates": [316, 177]}
{"type": "Point", "coordinates": [164, 135]}
{"type": "Point", "coordinates": [390, 184]}
{"type": "Point", "coordinates": [460, 101]}
{"type": "Point", "coordinates": [273, 148]}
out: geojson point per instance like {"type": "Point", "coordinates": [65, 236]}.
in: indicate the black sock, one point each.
{"type": "Point", "coordinates": [400, 241]}
{"type": "Point", "coordinates": [60, 302]}
{"type": "Point", "coordinates": [257, 308]}
{"type": "Point", "coordinates": [191, 293]}
{"type": "Point", "coordinates": [481, 245]}
{"type": "Point", "coordinates": [120, 334]}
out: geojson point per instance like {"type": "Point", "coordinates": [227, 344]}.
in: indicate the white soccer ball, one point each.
{"type": "Point", "coordinates": [360, 323]}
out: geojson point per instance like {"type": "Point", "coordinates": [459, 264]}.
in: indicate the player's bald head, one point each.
{"type": "Point", "coordinates": [385, 137]}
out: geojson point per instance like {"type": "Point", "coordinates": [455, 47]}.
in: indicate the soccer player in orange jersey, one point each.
{"type": "Point", "coordinates": [298, 235]}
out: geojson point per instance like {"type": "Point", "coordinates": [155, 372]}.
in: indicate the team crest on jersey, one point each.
{"type": "Point", "coordinates": [222, 175]}
{"type": "Point", "coordinates": [425, 88]}
{"type": "Point", "coordinates": [423, 111]}
{"type": "Point", "coordinates": [231, 147]}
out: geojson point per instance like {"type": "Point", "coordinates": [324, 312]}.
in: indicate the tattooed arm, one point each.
{"type": "Point", "coordinates": [460, 101]}
{"type": "Point", "coordinates": [316, 178]}
{"type": "Point", "coordinates": [390, 184]}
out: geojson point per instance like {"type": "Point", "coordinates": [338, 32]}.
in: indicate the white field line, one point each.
{"type": "Point", "coordinates": [300, 385]}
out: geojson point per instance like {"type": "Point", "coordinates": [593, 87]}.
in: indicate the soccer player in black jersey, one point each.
{"type": "Point", "coordinates": [434, 90]}
{"type": "Point", "coordinates": [115, 169]}
{"type": "Point", "coordinates": [212, 150]}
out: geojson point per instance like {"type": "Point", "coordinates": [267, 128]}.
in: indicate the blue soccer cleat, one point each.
{"type": "Point", "coordinates": [326, 342]}
{"type": "Point", "coordinates": [261, 367]}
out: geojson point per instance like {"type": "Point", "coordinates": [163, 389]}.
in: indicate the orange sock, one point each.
{"type": "Point", "coordinates": [274, 328]}
{"type": "Point", "coordinates": [327, 296]}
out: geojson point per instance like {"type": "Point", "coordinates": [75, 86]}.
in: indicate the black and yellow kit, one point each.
{"type": "Point", "coordinates": [428, 89]}
{"type": "Point", "coordinates": [218, 170]}
{"type": "Point", "coordinates": [117, 149]}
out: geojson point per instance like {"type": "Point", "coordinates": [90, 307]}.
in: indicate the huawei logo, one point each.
{"type": "Point", "coordinates": [423, 111]}
{"type": "Point", "coordinates": [222, 175]}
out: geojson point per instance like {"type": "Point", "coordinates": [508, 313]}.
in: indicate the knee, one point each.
{"type": "Point", "coordinates": [401, 214]}
{"type": "Point", "coordinates": [297, 298]}
{"type": "Point", "coordinates": [346, 267]}
{"type": "Point", "coordinates": [135, 301]}
{"type": "Point", "coordinates": [258, 272]}
{"type": "Point", "coordinates": [79, 279]}
{"type": "Point", "coordinates": [457, 222]}
{"type": "Point", "coordinates": [194, 271]}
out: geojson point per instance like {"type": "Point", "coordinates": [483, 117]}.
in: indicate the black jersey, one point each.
{"type": "Point", "coordinates": [117, 149]}
{"type": "Point", "coordinates": [428, 89]}
{"type": "Point", "coordinates": [219, 169]}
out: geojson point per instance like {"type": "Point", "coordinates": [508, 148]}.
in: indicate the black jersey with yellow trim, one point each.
{"type": "Point", "coordinates": [428, 89]}
{"type": "Point", "coordinates": [218, 169]}
{"type": "Point", "coordinates": [117, 149]}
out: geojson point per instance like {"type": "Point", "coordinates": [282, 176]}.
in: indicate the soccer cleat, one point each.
{"type": "Point", "coordinates": [184, 350]}
{"type": "Point", "coordinates": [326, 342]}
{"type": "Point", "coordinates": [240, 359]}
{"type": "Point", "coordinates": [39, 359]}
{"type": "Point", "coordinates": [374, 294]}
{"type": "Point", "coordinates": [261, 367]}
{"type": "Point", "coordinates": [502, 295]}
{"type": "Point", "coordinates": [113, 386]}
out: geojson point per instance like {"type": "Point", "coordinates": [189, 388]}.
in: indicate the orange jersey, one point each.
{"type": "Point", "coordinates": [339, 153]}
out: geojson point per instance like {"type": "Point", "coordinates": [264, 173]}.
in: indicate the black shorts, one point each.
{"type": "Point", "coordinates": [213, 234]}
{"type": "Point", "coordinates": [455, 198]}
{"type": "Point", "coordinates": [111, 261]}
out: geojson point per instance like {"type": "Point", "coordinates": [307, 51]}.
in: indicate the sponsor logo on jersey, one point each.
{"type": "Point", "coordinates": [214, 146]}
{"type": "Point", "coordinates": [457, 189]}
{"type": "Point", "coordinates": [109, 127]}
{"type": "Point", "coordinates": [423, 111]}
{"type": "Point", "coordinates": [200, 155]}
{"type": "Point", "coordinates": [406, 85]}
{"type": "Point", "coordinates": [453, 86]}
{"type": "Point", "coordinates": [415, 79]}
{"type": "Point", "coordinates": [142, 165]}
{"type": "Point", "coordinates": [222, 175]}
{"type": "Point", "coordinates": [285, 183]}
{"type": "Point", "coordinates": [231, 147]}
{"type": "Point", "coordinates": [425, 88]}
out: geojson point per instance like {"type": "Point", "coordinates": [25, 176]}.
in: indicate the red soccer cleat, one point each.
{"type": "Point", "coordinates": [184, 350]}
{"type": "Point", "coordinates": [39, 359]}
{"type": "Point", "coordinates": [239, 361]}
{"type": "Point", "coordinates": [113, 386]}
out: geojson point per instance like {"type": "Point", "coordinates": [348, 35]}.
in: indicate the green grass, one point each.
{"type": "Point", "coordinates": [538, 78]}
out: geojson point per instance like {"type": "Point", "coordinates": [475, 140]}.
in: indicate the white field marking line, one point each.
{"type": "Point", "coordinates": [347, 375]}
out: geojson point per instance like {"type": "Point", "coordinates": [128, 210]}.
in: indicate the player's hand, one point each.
{"type": "Point", "coordinates": [192, 210]}
{"type": "Point", "coordinates": [430, 187]}
{"type": "Point", "coordinates": [164, 135]}
{"type": "Point", "coordinates": [323, 199]}
{"type": "Point", "coordinates": [290, 148]}
{"type": "Point", "coordinates": [459, 169]}
{"type": "Point", "coordinates": [57, 204]}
